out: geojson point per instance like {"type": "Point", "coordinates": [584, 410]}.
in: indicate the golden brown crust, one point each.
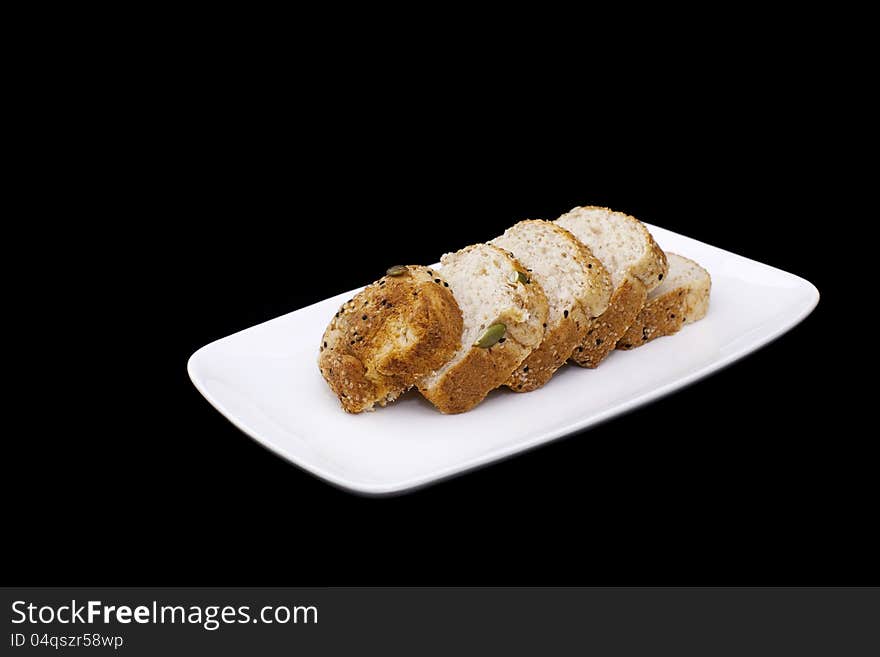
{"type": "Point", "coordinates": [482, 370]}
{"type": "Point", "coordinates": [604, 331]}
{"type": "Point", "coordinates": [466, 383]}
{"type": "Point", "coordinates": [668, 313]}
{"type": "Point", "coordinates": [661, 316]}
{"type": "Point", "coordinates": [389, 335]}
{"type": "Point", "coordinates": [540, 365]}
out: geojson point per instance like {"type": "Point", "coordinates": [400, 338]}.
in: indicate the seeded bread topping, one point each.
{"type": "Point", "coordinates": [388, 336]}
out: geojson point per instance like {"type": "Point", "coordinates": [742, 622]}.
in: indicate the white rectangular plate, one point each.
{"type": "Point", "coordinates": [265, 380]}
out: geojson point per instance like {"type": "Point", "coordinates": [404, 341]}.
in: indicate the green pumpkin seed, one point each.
{"type": "Point", "coordinates": [518, 277]}
{"type": "Point", "coordinates": [396, 270]}
{"type": "Point", "coordinates": [492, 335]}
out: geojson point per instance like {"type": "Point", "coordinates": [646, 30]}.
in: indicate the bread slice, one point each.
{"type": "Point", "coordinates": [682, 298]}
{"type": "Point", "coordinates": [489, 286]}
{"type": "Point", "coordinates": [636, 264]}
{"type": "Point", "coordinates": [577, 286]}
{"type": "Point", "coordinates": [394, 332]}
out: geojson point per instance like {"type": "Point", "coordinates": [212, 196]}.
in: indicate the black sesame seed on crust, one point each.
{"type": "Point", "coordinates": [526, 368]}
{"type": "Point", "coordinates": [580, 349]}
{"type": "Point", "coordinates": [364, 317]}
{"type": "Point", "coordinates": [501, 340]}
{"type": "Point", "coordinates": [672, 316]}
{"type": "Point", "coordinates": [565, 313]}
{"type": "Point", "coordinates": [660, 277]}
{"type": "Point", "coordinates": [598, 341]}
{"type": "Point", "coordinates": [545, 324]}
{"type": "Point", "coordinates": [589, 265]}
{"type": "Point", "coordinates": [437, 280]}
{"type": "Point", "coordinates": [445, 284]}
{"type": "Point", "coordinates": [325, 345]}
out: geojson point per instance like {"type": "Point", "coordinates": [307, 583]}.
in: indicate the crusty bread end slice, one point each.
{"type": "Point", "coordinates": [388, 336]}
{"type": "Point", "coordinates": [489, 285]}
{"type": "Point", "coordinates": [682, 298]}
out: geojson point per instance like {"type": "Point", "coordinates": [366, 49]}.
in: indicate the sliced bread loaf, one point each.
{"type": "Point", "coordinates": [577, 286]}
{"type": "Point", "coordinates": [682, 298]}
{"type": "Point", "coordinates": [394, 332]}
{"type": "Point", "coordinates": [503, 318]}
{"type": "Point", "coordinates": [636, 264]}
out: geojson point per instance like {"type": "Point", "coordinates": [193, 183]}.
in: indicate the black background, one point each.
{"type": "Point", "coordinates": [189, 207]}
